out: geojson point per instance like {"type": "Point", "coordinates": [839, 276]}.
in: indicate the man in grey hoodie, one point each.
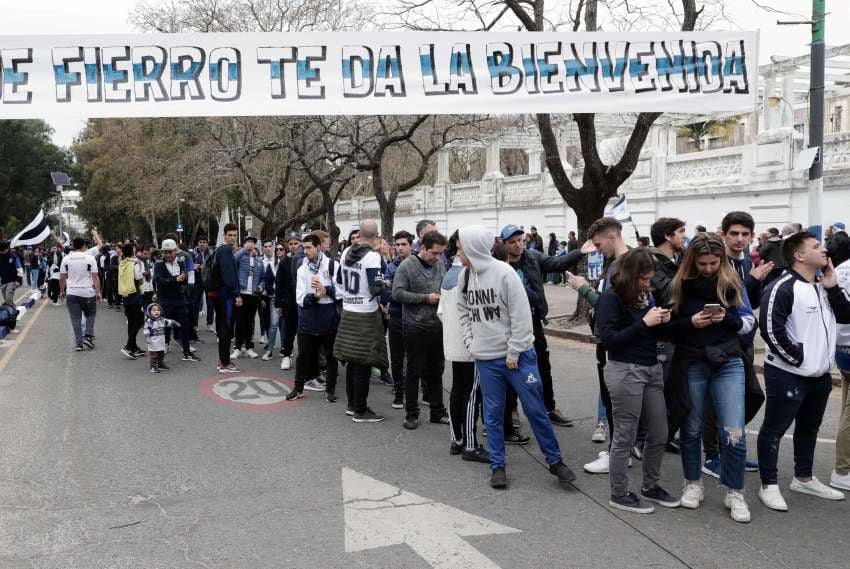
{"type": "Point", "coordinates": [495, 318]}
{"type": "Point", "coordinates": [416, 286]}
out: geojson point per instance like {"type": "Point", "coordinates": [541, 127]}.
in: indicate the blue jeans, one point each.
{"type": "Point", "coordinates": [79, 306]}
{"type": "Point", "coordinates": [276, 324]}
{"type": "Point", "coordinates": [726, 386]}
{"type": "Point", "coordinates": [178, 312]}
{"type": "Point", "coordinates": [494, 378]}
{"type": "Point", "coordinates": [34, 278]}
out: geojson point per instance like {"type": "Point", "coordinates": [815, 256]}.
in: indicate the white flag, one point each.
{"type": "Point", "coordinates": [620, 210]}
{"type": "Point", "coordinates": [223, 220]}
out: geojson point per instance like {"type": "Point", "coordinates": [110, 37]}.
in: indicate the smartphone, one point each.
{"type": "Point", "coordinates": [711, 308]}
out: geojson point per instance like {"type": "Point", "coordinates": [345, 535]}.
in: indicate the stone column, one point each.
{"type": "Point", "coordinates": [788, 96]}
{"type": "Point", "coordinates": [534, 161]}
{"type": "Point", "coordinates": [443, 156]}
{"type": "Point", "coordinates": [767, 110]}
{"type": "Point", "coordinates": [493, 169]}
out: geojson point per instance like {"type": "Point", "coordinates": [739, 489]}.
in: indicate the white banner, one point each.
{"type": "Point", "coordinates": [376, 73]}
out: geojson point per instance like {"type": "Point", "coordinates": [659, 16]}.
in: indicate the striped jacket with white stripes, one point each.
{"type": "Point", "coordinates": [798, 323]}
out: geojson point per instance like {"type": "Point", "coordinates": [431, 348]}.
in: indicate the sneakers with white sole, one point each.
{"type": "Point", "coordinates": [251, 353]}
{"type": "Point", "coordinates": [234, 354]}
{"type": "Point", "coordinates": [286, 363]}
{"type": "Point", "coordinates": [600, 433]}
{"type": "Point", "coordinates": [600, 465]}
{"type": "Point", "coordinates": [839, 481]}
{"type": "Point", "coordinates": [738, 509]}
{"type": "Point", "coordinates": [772, 498]}
{"type": "Point", "coordinates": [692, 495]}
{"type": "Point", "coordinates": [816, 488]}
{"type": "Point", "coordinates": [314, 385]}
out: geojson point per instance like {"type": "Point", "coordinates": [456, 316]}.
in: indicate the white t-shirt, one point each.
{"type": "Point", "coordinates": [79, 268]}
{"type": "Point", "coordinates": [355, 282]}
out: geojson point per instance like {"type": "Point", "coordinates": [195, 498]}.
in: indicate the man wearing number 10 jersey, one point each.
{"type": "Point", "coordinates": [360, 340]}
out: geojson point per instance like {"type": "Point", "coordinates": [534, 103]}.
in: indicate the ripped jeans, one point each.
{"type": "Point", "coordinates": [791, 398]}
{"type": "Point", "coordinates": [726, 386]}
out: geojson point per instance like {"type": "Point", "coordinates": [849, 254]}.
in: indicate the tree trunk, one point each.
{"type": "Point", "coordinates": [151, 219]}
{"type": "Point", "coordinates": [388, 218]}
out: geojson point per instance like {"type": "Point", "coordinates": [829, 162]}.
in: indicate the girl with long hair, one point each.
{"type": "Point", "coordinates": [628, 321]}
{"type": "Point", "coordinates": [710, 311]}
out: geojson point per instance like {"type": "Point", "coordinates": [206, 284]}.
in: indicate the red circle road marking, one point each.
{"type": "Point", "coordinates": [244, 396]}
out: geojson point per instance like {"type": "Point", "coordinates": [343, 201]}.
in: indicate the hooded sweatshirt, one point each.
{"type": "Point", "coordinates": [447, 311]}
{"type": "Point", "coordinates": [155, 329]}
{"type": "Point", "coordinates": [495, 315]}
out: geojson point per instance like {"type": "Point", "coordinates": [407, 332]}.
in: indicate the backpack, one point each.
{"type": "Point", "coordinates": [210, 274]}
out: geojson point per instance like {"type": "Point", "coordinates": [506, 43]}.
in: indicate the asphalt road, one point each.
{"type": "Point", "coordinates": [103, 465]}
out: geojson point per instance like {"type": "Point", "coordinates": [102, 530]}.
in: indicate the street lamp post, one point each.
{"type": "Point", "coordinates": [816, 102]}
{"type": "Point", "coordinates": [179, 221]}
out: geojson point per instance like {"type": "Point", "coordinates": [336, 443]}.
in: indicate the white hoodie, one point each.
{"type": "Point", "coordinates": [495, 316]}
{"type": "Point", "coordinates": [454, 347]}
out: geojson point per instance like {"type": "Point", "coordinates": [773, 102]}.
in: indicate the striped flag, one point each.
{"type": "Point", "coordinates": [620, 210]}
{"type": "Point", "coordinates": [34, 233]}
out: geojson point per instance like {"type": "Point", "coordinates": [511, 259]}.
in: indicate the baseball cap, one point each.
{"type": "Point", "coordinates": [249, 238]}
{"type": "Point", "coordinates": [168, 245]}
{"type": "Point", "coordinates": [509, 231]}
{"type": "Point", "coordinates": [839, 225]}
{"type": "Point", "coordinates": [293, 236]}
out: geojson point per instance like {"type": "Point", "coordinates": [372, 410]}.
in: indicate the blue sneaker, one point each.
{"type": "Point", "coordinates": [751, 465]}
{"type": "Point", "coordinates": [711, 466]}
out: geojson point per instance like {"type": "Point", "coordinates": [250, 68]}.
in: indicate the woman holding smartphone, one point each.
{"type": "Point", "coordinates": [710, 311]}
{"type": "Point", "coordinates": [628, 320]}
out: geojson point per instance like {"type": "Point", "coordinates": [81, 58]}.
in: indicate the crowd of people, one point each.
{"type": "Point", "coordinates": [676, 323]}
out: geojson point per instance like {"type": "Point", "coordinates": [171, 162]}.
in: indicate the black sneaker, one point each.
{"type": "Point", "coordinates": [163, 367]}
{"type": "Point", "coordinates": [517, 439]}
{"type": "Point", "coordinates": [563, 472]}
{"type": "Point", "coordinates": [368, 416]}
{"type": "Point", "coordinates": [659, 496]}
{"type": "Point", "coordinates": [88, 342]}
{"type": "Point", "coordinates": [128, 354]}
{"type": "Point", "coordinates": [154, 370]}
{"type": "Point", "coordinates": [294, 394]}
{"type": "Point", "coordinates": [673, 447]}
{"type": "Point", "coordinates": [631, 503]}
{"type": "Point", "coordinates": [139, 353]}
{"type": "Point", "coordinates": [78, 347]}
{"type": "Point", "coordinates": [349, 411]}
{"type": "Point", "coordinates": [411, 423]}
{"type": "Point", "coordinates": [498, 478]}
{"type": "Point", "coordinates": [330, 396]}
{"type": "Point", "coordinates": [455, 449]}
{"type": "Point", "coordinates": [398, 401]}
{"type": "Point", "coordinates": [476, 455]}
{"type": "Point", "coordinates": [441, 419]}
{"type": "Point", "coordinates": [559, 418]}
{"type": "Point", "coordinates": [190, 357]}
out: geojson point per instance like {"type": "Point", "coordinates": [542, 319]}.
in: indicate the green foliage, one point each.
{"type": "Point", "coordinates": [27, 156]}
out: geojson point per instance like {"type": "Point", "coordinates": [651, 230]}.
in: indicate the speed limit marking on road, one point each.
{"type": "Point", "coordinates": [249, 391]}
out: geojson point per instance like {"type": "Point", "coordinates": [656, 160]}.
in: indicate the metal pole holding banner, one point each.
{"type": "Point", "coordinates": [816, 112]}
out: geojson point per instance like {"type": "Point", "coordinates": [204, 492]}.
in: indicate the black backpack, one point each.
{"type": "Point", "coordinates": [211, 274]}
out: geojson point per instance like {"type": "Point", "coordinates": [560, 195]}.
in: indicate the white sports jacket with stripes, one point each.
{"type": "Point", "coordinates": [798, 322]}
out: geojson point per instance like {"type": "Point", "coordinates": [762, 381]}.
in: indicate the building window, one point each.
{"type": "Point", "coordinates": [837, 118]}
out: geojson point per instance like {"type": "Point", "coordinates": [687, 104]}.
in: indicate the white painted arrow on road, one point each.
{"type": "Point", "coordinates": [378, 514]}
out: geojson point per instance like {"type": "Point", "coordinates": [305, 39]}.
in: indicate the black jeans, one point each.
{"type": "Point", "coordinates": [223, 328]}
{"type": "Point", "coordinates": [135, 321]}
{"type": "Point", "coordinates": [464, 404]}
{"type": "Point", "coordinates": [396, 336]}
{"type": "Point", "coordinates": [307, 362]}
{"type": "Point", "coordinates": [357, 386]}
{"type": "Point", "coordinates": [425, 362]}
{"type": "Point", "coordinates": [178, 312]}
{"type": "Point", "coordinates": [53, 290]}
{"type": "Point", "coordinates": [541, 348]}
{"type": "Point", "coordinates": [263, 310]}
{"type": "Point", "coordinates": [245, 317]}
{"type": "Point", "coordinates": [791, 397]}
{"type": "Point", "coordinates": [192, 310]}
{"type": "Point", "coordinates": [601, 360]}
{"type": "Point", "coordinates": [291, 328]}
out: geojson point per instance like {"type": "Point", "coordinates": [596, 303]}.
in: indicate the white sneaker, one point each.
{"type": "Point", "coordinates": [692, 495]}
{"type": "Point", "coordinates": [267, 356]}
{"type": "Point", "coordinates": [193, 349]}
{"type": "Point", "coordinates": [816, 488]}
{"type": "Point", "coordinates": [286, 363]}
{"type": "Point", "coordinates": [251, 353]}
{"type": "Point", "coordinates": [234, 355]}
{"type": "Point", "coordinates": [600, 433]}
{"type": "Point", "coordinates": [600, 465]}
{"type": "Point", "coordinates": [838, 481]}
{"type": "Point", "coordinates": [263, 340]}
{"type": "Point", "coordinates": [772, 498]}
{"type": "Point", "coordinates": [738, 509]}
{"type": "Point", "coordinates": [211, 328]}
